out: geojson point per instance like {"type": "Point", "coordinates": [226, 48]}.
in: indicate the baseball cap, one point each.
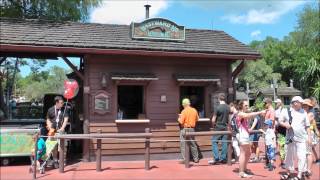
{"type": "Point", "coordinates": [297, 98]}
{"type": "Point", "coordinates": [185, 101]}
{"type": "Point", "coordinates": [278, 101]}
{"type": "Point", "coordinates": [268, 122]}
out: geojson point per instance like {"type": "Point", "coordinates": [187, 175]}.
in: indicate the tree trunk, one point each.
{"type": "Point", "coordinates": [3, 106]}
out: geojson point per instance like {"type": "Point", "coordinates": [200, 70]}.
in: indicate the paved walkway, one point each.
{"type": "Point", "coordinates": [134, 170]}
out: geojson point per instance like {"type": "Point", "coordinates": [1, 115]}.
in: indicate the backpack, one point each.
{"type": "Point", "coordinates": [233, 124]}
{"type": "Point", "coordinates": [289, 136]}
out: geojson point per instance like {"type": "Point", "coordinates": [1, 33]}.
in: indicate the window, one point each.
{"type": "Point", "coordinates": [196, 96]}
{"type": "Point", "coordinates": [130, 102]}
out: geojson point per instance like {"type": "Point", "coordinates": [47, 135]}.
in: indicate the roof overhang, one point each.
{"type": "Point", "coordinates": [11, 50]}
{"type": "Point", "coordinates": [133, 77]}
{"type": "Point", "coordinates": [197, 78]}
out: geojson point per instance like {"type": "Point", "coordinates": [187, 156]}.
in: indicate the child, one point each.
{"type": "Point", "coordinates": [270, 140]}
{"type": "Point", "coordinates": [41, 149]}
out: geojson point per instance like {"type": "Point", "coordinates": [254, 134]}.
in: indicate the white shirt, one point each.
{"type": "Point", "coordinates": [300, 122]}
{"type": "Point", "coordinates": [270, 137]}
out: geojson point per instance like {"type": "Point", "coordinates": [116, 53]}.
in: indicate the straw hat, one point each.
{"type": "Point", "coordinates": [307, 102]}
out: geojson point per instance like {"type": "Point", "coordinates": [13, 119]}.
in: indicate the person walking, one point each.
{"type": "Point", "coordinates": [220, 120]}
{"type": "Point", "coordinates": [243, 137]}
{"type": "Point", "coordinates": [296, 120]}
{"type": "Point", "coordinates": [187, 121]}
{"type": "Point", "coordinates": [281, 133]}
{"type": "Point", "coordinates": [307, 106]}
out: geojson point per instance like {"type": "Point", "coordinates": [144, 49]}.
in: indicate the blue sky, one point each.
{"type": "Point", "coordinates": [246, 20]}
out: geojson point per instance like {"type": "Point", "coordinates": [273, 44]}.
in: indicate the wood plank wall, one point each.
{"type": "Point", "coordinates": [162, 115]}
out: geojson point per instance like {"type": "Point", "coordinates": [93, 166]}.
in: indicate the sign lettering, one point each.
{"type": "Point", "coordinates": [158, 29]}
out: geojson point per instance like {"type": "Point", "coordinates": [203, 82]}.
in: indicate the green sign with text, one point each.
{"type": "Point", "coordinates": [158, 29]}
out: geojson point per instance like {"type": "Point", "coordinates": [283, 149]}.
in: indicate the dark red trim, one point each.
{"type": "Point", "coordinates": [238, 69]}
{"type": "Point", "coordinates": [82, 51]}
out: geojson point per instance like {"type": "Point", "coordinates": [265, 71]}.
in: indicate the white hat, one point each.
{"type": "Point", "coordinates": [278, 101]}
{"type": "Point", "coordinates": [297, 98]}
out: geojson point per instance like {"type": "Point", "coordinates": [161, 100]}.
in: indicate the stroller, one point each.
{"type": "Point", "coordinates": [51, 145]}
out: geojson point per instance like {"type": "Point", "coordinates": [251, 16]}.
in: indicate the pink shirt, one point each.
{"type": "Point", "coordinates": [243, 123]}
{"type": "Point", "coordinates": [270, 114]}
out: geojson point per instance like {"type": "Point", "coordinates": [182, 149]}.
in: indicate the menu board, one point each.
{"type": "Point", "coordinates": [101, 102]}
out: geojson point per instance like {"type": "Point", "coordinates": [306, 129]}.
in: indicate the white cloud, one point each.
{"type": "Point", "coordinates": [126, 11]}
{"type": "Point", "coordinates": [265, 15]}
{"type": "Point", "coordinates": [255, 34]}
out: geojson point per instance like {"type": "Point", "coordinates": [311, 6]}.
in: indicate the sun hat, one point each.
{"type": "Point", "coordinates": [307, 102]}
{"type": "Point", "coordinates": [297, 99]}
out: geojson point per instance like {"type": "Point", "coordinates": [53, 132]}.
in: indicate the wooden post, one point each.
{"type": "Point", "coordinates": [186, 151]}
{"type": "Point", "coordinates": [147, 151]}
{"type": "Point", "coordinates": [229, 149]}
{"type": "Point", "coordinates": [61, 155]}
{"type": "Point", "coordinates": [34, 167]}
{"type": "Point", "coordinates": [98, 153]}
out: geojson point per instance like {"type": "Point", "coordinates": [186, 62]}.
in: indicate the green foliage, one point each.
{"type": "Point", "coordinates": [295, 57]}
{"type": "Point", "coordinates": [36, 85]}
{"type": "Point", "coordinates": [58, 10]}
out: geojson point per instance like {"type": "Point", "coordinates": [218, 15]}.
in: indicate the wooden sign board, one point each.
{"type": "Point", "coordinates": [101, 102]}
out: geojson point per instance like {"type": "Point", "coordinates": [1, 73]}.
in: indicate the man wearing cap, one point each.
{"type": "Point", "coordinates": [281, 133]}
{"type": "Point", "coordinates": [187, 120]}
{"type": "Point", "coordinates": [296, 121]}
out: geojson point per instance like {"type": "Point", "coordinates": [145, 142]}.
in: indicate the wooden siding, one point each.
{"type": "Point", "coordinates": [162, 116]}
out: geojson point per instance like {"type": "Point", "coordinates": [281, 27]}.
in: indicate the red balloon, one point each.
{"type": "Point", "coordinates": [71, 88]}
{"type": "Point", "coordinates": [68, 93]}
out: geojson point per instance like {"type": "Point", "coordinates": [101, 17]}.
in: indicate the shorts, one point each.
{"type": "Point", "coordinates": [243, 137]}
{"type": "Point", "coordinates": [254, 137]}
{"type": "Point", "coordinates": [271, 152]}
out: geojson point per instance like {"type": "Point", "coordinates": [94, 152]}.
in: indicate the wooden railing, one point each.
{"type": "Point", "coordinates": [99, 136]}
{"type": "Point", "coordinates": [187, 136]}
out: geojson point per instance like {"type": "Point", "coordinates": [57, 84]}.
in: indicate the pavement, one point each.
{"type": "Point", "coordinates": [134, 170]}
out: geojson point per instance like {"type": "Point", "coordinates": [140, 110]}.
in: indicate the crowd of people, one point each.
{"type": "Point", "coordinates": [290, 132]}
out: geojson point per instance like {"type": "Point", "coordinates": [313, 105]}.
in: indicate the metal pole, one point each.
{"type": "Point", "coordinates": [229, 149]}
{"type": "Point", "coordinates": [186, 151]}
{"type": "Point", "coordinates": [147, 151]}
{"type": "Point", "coordinates": [61, 155]}
{"type": "Point", "coordinates": [34, 167]}
{"type": "Point", "coordinates": [98, 154]}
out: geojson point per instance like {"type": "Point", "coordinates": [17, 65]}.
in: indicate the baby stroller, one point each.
{"type": "Point", "coordinates": [51, 145]}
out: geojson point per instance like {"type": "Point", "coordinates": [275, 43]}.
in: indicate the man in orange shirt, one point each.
{"type": "Point", "coordinates": [187, 120]}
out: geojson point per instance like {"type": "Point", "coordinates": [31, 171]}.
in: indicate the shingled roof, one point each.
{"type": "Point", "coordinates": [111, 36]}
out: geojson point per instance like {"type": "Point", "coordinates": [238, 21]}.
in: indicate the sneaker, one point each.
{"type": "Point", "coordinates": [270, 168]}
{"type": "Point", "coordinates": [212, 162]}
{"type": "Point", "coordinates": [223, 161]}
{"type": "Point", "coordinates": [283, 166]}
{"type": "Point", "coordinates": [244, 175]}
{"type": "Point", "coordinates": [181, 161]}
{"type": "Point", "coordinates": [196, 161]}
{"type": "Point", "coordinates": [317, 161]}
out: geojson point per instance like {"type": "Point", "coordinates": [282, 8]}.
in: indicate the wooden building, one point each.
{"type": "Point", "coordinates": [135, 76]}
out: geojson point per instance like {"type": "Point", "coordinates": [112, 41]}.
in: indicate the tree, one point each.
{"type": "Point", "coordinates": [46, 82]}
{"type": "Point", "coordinates": [57, 10]}
{"type": "Point", "coordinates": [295, 57]}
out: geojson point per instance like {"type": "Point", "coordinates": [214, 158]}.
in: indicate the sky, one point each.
{"type": "Point", "coordinates": [246, 20]}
